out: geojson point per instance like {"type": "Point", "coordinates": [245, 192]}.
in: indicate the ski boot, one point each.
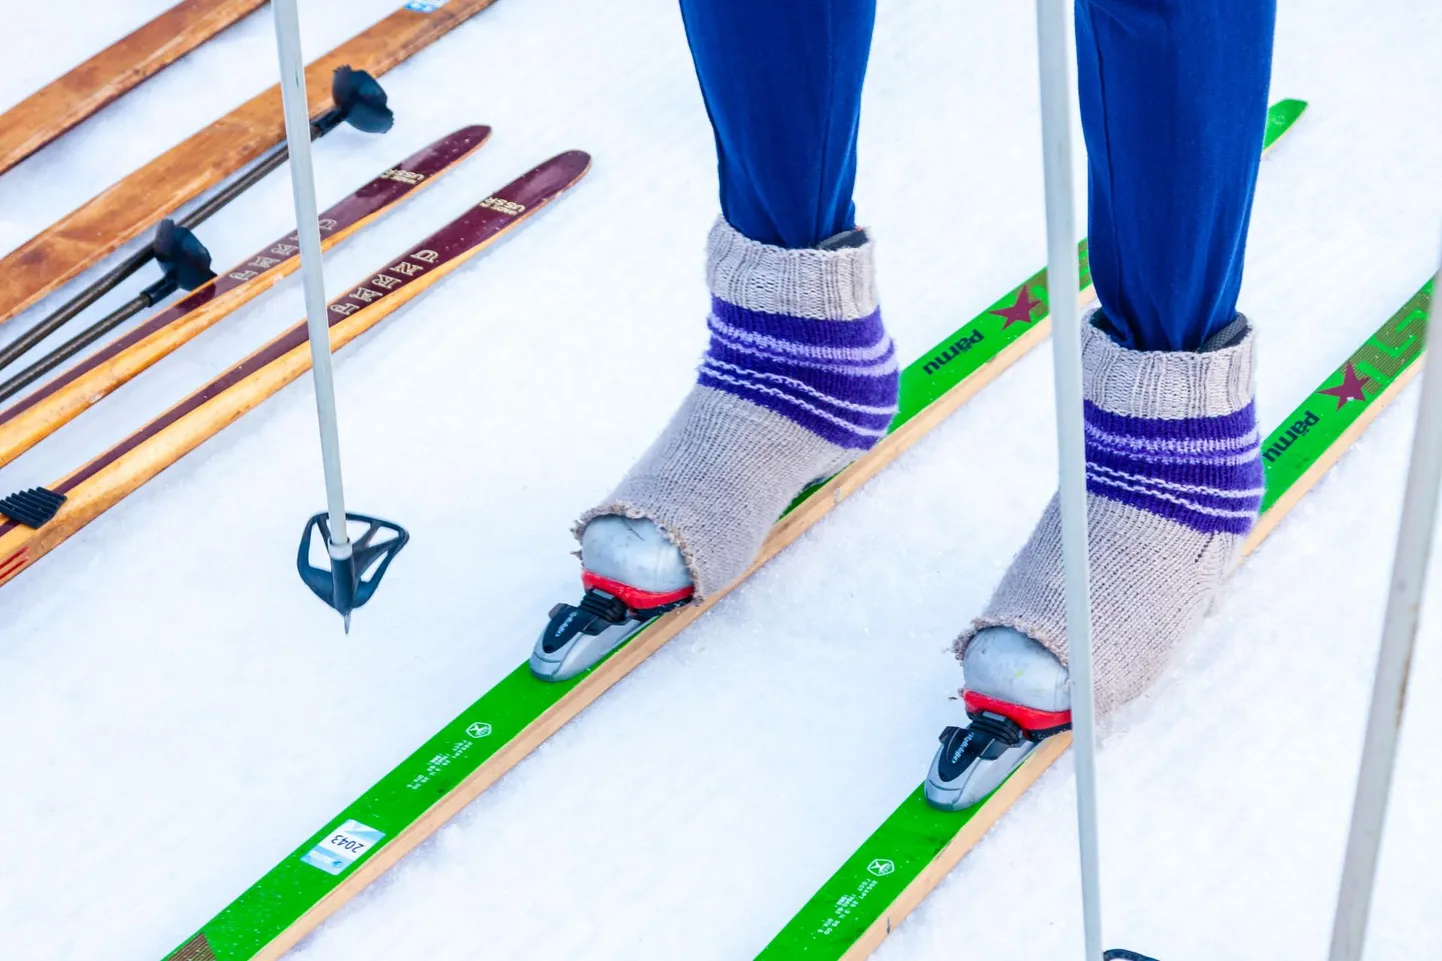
{"type": "Point", "coordinates": [1017, 695]}
{"type": "Point", "coordinates": [632, 573]}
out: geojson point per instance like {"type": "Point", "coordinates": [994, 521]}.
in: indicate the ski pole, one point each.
{"type": "Point", "coordinates": [1054, 61]}
{"type": "Point", "coordinates": [186, 266]}
{"type": "Point", "coordinates": [1394, 662]}
{"type": "Point", "coordinates": [343, 586]}
{"type": "Point", "coordinates": [359, 101]}
{"type": "Point", "coordinates": [184, 261]}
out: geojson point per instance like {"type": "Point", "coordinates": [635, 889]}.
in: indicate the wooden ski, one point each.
{"type": "Point", "coordinates": [910, 853]}
{"type": "Point", "coordinates": [65, 102]}
{"type": "Point", "coordinates": [128, 208]}
{"type": "Point", "coordinates": [505, 724]}
{"type": "Point", "coordinates": [72, 392]}
{"type": "Point", "coordinates": [105, 480]}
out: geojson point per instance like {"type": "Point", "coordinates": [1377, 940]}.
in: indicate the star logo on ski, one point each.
{"type": "Point", "coordinates": [1348, 390]}
{"type": "Point", "coordinates": [1019, 312]}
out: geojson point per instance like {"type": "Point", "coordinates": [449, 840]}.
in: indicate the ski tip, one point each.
{"type": "Point", "coordinates": [553, 176]}
{"type": "Point", "coordinates": [1282, 116]}
{"type": "Point", "coordinates": [473, 134]}
{"type": "Point", "coordinates": [577, 161]}
{"type": "Point", "coordinates": [1287, 111]}
{"type": "Point", "coordinates": [346, 620]}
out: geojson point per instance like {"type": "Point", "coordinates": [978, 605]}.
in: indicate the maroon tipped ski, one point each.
{"type": "Point", "coordinates": [66, 396]}
{"type": "Point", "coordinates": [84, 494]}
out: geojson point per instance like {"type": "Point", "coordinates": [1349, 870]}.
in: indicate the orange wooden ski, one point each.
{"type": "Point", "coordinates": [49, 112]}
{"type": "Point", "coordinates": [127, 209]}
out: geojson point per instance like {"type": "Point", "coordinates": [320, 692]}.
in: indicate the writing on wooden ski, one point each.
{"type": "Point", "coordinates": [102, 482]}
{"type": "Point", "coordinates": [57, 402]}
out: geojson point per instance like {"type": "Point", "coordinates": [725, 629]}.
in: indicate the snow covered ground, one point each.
{"type": "Point", "coordinates": [178, 713]}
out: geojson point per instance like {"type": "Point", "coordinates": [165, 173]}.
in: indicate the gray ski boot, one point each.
{"type": "Point", "coordinates": [1016, 695]}
{"type": "Point", "coordinates": [632, 573]}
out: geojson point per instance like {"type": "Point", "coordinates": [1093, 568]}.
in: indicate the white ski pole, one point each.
{"type": "Point", "coordinates": [342, 586]}
{"type": "Point", "coordinates": [1394, 662]}
{"type": "Point", "coordinates": [1055, 45]}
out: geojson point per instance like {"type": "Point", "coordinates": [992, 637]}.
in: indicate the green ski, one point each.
{"type": "Point", "coordinates": [917, 845]}
{"type": "Point", "coordinates": [509, 721]}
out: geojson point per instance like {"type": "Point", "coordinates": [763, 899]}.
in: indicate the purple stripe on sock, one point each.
{"type": "Point", "coordinates": [803, 331]}
{"type": "Point", "coordinates": [868, 419]}
{"type": "Point", "coordinates": [822, 427]}
{"type": "Point", "coordinates": [871, 391]}
{"type": "Point", "coordinates": [1237, 455]}
{"type": "Point", "coordinates": [1201, 472]}
{"type": "Point", "coordinates": [1224, 427]}
{"type": "Point", "coordinates": [1155, 504]}
{"type": "Point", "coordinates": [1194, 499]}
{"type": "Point", "coordinates": [883, 366]}
{"type": "Point", "coordinates": [1229, 480]}
{"type": "Point", "coordinates": [1235, 452]}
{"type": "Point", "coordinates": [816, 373]}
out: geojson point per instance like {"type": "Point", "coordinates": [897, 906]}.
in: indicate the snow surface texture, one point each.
{"type": "Point", "coordinates": [178, 712]}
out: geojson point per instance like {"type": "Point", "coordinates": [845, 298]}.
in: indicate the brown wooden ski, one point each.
{"type": "Point", "coordinates": [63, 103]}
{"type": "Point", "coordinates": [40, 518]}
{"type": "Point", "coordinates": [128, 208]}
{"type": "Point", "coordinates": [26, 422]}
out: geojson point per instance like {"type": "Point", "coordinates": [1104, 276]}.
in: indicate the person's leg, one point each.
{"type": "Point", "coordinates": [800, 376]}
{"type": "Point", "coordinates": [782, 84]}
{"type": "Point", "coordinates": [1173, 102]}
{"type": "Point", "coordinates": [1173, 98]}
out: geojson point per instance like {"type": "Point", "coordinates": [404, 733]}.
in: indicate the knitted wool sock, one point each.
{"type": "Point", "coordinates": [1174, 481]}
{"type": "Point", "coordinates": [799, 379]}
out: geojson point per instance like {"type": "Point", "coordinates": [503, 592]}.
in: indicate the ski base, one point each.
{"type": "Point", "coordinates": [917, 846]}
{"type": "Point", "coordinates": [519, 713]}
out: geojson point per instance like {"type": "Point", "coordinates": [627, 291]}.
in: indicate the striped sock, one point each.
{"type": "Point", "coordinates": [837, 380]}
{"type": "Point", "coordinates": [799, 379]}
{"type": "Point", "coordinates": [1202, 472]}
{"type": "Point", "coordinates": [1174, 483]}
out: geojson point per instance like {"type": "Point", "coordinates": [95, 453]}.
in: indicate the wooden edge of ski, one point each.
{"type": "Point", "coordinates": [959, 846]}
{"type": "Point", "coordinates": [1404, 351]}
{"type": "Point", "coordinates": [113, 475]}
{"type": "Point", "coordinates": [1309, 478]}
{"type": "Point", "coordinates": [138, 201]}
{"type": "Point", "coordinates": [1042, 758]}
{"type": "Point", "coordinates": [588, 687]}
{"type": "Point", "coordinates": [629, 657]}
{"type": "Point", "coordinates": [68, 100]}
{"type": "Point", "coordinates": [76, 390]}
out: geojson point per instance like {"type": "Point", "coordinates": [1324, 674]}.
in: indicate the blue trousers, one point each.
{"type": "Point", "coordinates": [1173, 100]}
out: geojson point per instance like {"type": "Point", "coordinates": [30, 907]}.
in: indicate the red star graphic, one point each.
{"type": "Point", "coordinates": [1019, 312]}
{"type": "Point", "coordinates": [1349, 389]}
